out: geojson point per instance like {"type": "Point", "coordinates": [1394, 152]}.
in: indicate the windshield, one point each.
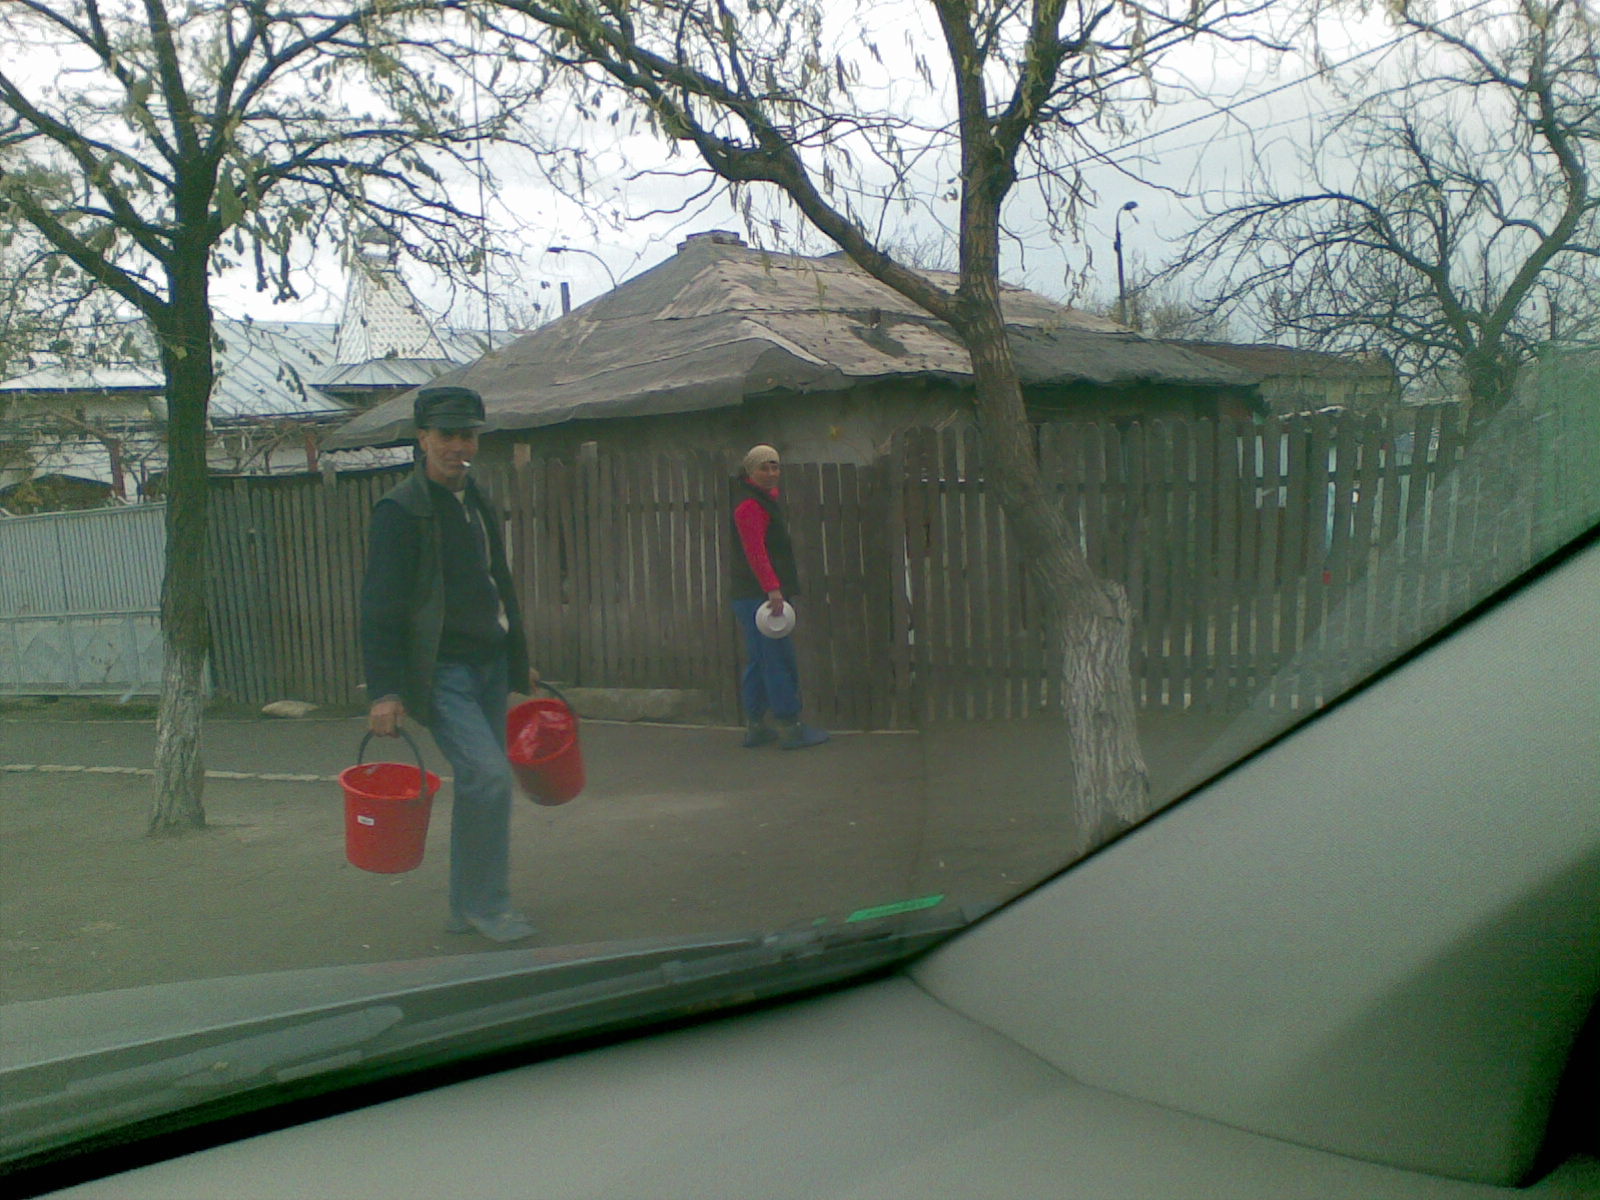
{"type": "Point", "coordinates": [1290, 562]}
{"type": "Point", "coordinates": [649, 687]}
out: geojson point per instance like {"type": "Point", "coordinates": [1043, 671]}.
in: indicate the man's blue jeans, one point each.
{"type": "Point", "coordinates": [771, 680]}
{"type": "Point", "coordinates": [469, 724]}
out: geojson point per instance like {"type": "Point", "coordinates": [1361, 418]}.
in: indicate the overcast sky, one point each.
{"type": "Point", "coordinates": [1256, 108]}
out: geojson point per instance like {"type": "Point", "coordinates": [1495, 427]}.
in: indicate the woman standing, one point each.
{"type": "Point", "coordinates": [764, 574]}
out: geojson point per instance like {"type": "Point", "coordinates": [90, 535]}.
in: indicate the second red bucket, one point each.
{"type": "Point", "coordinates": [542, 746]}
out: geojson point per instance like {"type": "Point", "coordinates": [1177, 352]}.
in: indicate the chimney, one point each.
{"type": "Point", "coordinates": [716, 237]}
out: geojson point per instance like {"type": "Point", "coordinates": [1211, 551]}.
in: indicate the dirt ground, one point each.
{"type": "Point", "coordinates": [680, 831]}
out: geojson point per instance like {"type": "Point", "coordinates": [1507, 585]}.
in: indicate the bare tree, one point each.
{"type": "Point", "coordinates": [153, 145]}
{"type": "Point", "coordinates": [1159, 305]}
{"type": "Point", "coordinates": [1454, 218]}
{"type": "Point", "coordinates": [800, 97]}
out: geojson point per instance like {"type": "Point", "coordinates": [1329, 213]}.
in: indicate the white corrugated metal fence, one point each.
{"type": "Point", "coordinates": [80, 602]}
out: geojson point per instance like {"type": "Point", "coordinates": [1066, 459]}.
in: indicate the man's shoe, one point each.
{"type": "Point", "coordinates": [758, 733]}
{"type": "Point", "coordinates": [502, 927]}
{"type": "Point", "coordinates": [799, 736]}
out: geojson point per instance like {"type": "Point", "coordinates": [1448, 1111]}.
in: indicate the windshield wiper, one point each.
{"type": "Point", "coordinates": [52, 1108]}
{"type": "Point", "coordinates": [41, 1111]}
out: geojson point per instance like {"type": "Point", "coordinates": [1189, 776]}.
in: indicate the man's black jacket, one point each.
{"type": "Point", "coordinates": [426, 597]}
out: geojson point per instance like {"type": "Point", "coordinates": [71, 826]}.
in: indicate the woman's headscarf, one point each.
{"type": "Point", "coordinates": [757, 455]}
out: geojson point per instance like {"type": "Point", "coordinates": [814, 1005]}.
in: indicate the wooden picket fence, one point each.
{"type": "Point", "coordinates": [619, 562]}
{"type": "Point", "coordinates": [286, 556]}
{"type": "Point", "coordinates": [1268, 561]}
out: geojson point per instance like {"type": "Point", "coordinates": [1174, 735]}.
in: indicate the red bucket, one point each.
{"type": "Point", "coordinates": [386, 810]}
{"type": "Point", "coordinates": [542, 746]}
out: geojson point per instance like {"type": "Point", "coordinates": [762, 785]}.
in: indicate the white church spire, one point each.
{"type": "Point", "coordinates": [381, 318]}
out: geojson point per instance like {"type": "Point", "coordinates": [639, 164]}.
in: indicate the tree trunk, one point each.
{"type": "Point", "coordinates": [187, 365]}
{"type": "Point", "coordinates": [1090, 617]}
{"type": "Point", "coordinates": [1102, 721]}
{"type": "Point", "coordinates": [180, 774]}
{"type": "Point", "coordinates": [1491, 379]}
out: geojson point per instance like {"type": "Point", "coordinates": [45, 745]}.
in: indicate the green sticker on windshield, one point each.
{"type": "Point", "coordinates": [895, 909]}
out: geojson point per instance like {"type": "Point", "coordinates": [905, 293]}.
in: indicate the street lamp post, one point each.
{"type": "Point", "coordinates": [1116, 244]}
{"type": "Point", "coordinates": [580, 250]}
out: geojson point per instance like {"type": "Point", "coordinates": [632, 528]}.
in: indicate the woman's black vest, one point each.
{"type": "Point", "coordinates": [745, 585]}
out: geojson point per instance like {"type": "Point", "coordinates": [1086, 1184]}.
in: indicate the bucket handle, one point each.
{"type": "Point", "coordinates": [422, 772]}
{"type": "Point", "coordinates": [554, 692]}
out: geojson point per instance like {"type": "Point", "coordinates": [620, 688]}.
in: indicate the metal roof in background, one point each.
{"type": "Point", "coordinates": [272, 368]}
{"type": "Point", "coordinates": [719, 322]}
{"type": "Point", "coordinates": [265, 369]}
{"type": "Point", "coordinates": [386, 373]}
{"type": "Point", "coordinates": [308, 373]}
{"type": "Point", "coordinates": [110, 380]}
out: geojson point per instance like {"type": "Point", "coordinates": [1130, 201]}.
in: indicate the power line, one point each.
{"type": "Point", "coordinates": [1111, 157]}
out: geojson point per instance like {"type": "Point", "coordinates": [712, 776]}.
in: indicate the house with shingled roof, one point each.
{"type": "Point", "coordinates": [724, 344]}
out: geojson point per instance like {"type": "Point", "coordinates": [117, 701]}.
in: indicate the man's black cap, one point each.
{"type": "Point", "coordinates": [448, 406]}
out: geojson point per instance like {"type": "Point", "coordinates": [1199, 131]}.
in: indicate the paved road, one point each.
{"type": "Point", "coordinates": [679, 832]}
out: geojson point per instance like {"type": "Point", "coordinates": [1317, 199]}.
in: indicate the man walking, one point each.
{"type": "Point", "coordinates": [442, 642]}
{"type": "Point", "coordinates": [765, 574]}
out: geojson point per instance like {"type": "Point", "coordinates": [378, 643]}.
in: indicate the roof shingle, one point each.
{"type": "Point", "coordinates": [719, 322]}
